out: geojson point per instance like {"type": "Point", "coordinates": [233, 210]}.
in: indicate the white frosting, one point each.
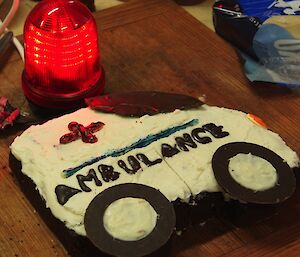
{"type": "Point", "coordinates": [129, 219]}
{"type": "Point", "coordinates": [252, 172]}
{"type": "Point", "coordinates": [180, 176]}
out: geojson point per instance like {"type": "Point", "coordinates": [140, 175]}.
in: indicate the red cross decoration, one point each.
{"type": "Point", "coordinates": [80, 131]}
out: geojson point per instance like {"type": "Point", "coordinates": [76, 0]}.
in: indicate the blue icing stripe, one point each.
{"type": "Point", "coordinates": [143, 142]}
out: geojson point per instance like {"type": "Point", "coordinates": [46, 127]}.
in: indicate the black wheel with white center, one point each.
{"type": "Point", "coordinates": [283, 188]}
{"type": "Point", "coordinates": [104, 241]}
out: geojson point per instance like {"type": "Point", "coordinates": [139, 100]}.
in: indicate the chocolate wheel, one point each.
{"type": "Point", "coordinates": [283, 189]}
{"type": "Point", "coordinates": [161, 233]}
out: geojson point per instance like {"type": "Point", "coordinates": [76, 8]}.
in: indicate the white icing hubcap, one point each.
{"type": "Point", "coordinates": [252, 172]}
{"type": "Point", "coordinates": [129, 219]}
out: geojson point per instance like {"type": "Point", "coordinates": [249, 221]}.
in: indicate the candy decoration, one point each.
{"type": "Point", "coordinates": [137, 104]}
{"type": "Point", "coordinates": [258, 121]}
{"type": "Point", "coordinates": [80, 131]}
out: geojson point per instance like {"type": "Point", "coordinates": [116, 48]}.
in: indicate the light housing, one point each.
{"type": "Point", "coordinates": [62, 56]}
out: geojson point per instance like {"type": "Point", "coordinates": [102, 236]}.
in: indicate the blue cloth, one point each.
{"type": "Point", "coordinates": [264, 9]}
{"type": "Point", "coordinates": [279, 57]}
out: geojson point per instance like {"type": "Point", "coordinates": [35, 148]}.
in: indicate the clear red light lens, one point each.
{"type": "Point", "coordinates": [62, 58]}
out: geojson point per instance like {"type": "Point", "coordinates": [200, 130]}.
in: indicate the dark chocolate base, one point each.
{"type": "Point", "coordinates": [242, 215]}
{"type": "Point", "coordinates": [204, 208]}
{"type": "Point", "coordinates": [198, 210]}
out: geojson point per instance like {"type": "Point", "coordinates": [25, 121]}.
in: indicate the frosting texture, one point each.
{"type": "Point", "coordinates": [129, 219]}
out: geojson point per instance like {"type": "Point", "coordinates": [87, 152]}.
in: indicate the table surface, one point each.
{"type": "Point", "coordinates": [202, 11]}
{"type": "Point", "coordinates": [156, 45]}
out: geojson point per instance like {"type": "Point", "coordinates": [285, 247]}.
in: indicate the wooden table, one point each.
{"type": "Point", "coordinates": [155, 45]}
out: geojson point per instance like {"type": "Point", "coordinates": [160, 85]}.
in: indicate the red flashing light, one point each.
{"type": "Point", "coordinates": [62, 57]}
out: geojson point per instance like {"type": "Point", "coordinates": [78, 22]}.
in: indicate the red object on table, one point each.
{"type": "Point", "coordinates": [62, 57]}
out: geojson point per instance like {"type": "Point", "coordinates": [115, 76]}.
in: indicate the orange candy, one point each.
{"type": "Point", "coordinates": [256, 120]}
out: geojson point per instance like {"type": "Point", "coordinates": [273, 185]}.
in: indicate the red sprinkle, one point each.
{"type": "Point", "coordinates": [80, 131]}
{"type": "Point", "coordinates": [8, 114]}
